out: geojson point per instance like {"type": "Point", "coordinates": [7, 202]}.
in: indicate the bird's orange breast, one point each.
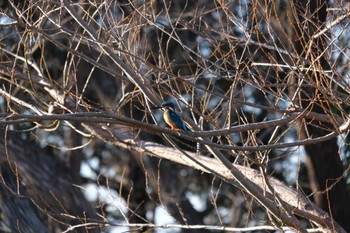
{"type": "Point", "coordinates": [168, 121]}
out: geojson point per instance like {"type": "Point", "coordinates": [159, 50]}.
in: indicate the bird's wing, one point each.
{"type": "Point", "coordinates": [180, 124]}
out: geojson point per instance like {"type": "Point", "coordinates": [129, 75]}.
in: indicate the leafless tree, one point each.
{"type": "Point", "coordinates": [262, 87]}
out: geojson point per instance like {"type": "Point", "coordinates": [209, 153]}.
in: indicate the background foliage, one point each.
{"type": "Point", "coordinates": [262, 85]}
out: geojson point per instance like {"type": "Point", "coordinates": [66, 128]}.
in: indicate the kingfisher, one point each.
{"type": "Point", "coordinates": [172, 118]}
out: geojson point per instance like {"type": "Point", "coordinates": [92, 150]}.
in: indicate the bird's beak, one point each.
{"type": "Point", "coordinates": [156, 107]}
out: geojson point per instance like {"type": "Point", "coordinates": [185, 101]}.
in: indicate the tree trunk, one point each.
{"type": "Point", "coordinates": [324, 167]}
{"type": "Point", "coordinates": [37, 189]}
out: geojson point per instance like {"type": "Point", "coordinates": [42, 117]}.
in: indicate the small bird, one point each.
{"type": "Point", "coordinates": [172, 118]}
